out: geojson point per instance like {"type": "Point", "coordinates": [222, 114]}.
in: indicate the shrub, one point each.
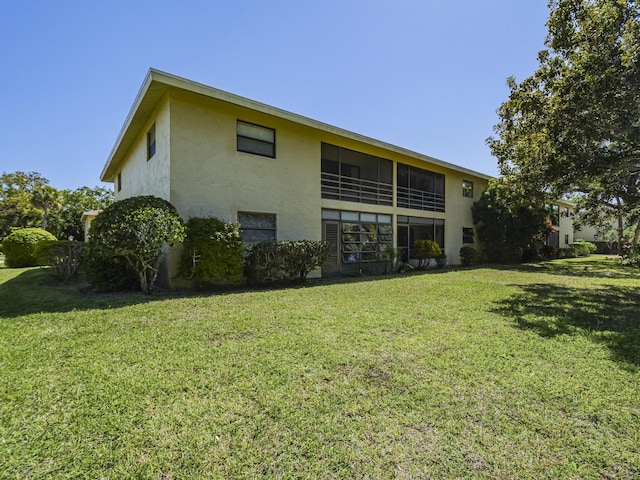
{"type": "Point", "coordinates": [582, 249]}
{"type": "Point", "coordinates": [630, 255]}
{"type": "Point", "coordinates": [424, 251]}
{"type": "Point", "coordinates": [441, 260]}
{"type": "Point", "coordinates": [549, 251]}
{"type": "Point", "coordinates": [588, 246]}
{"type": "Point", "coordinates": [468, 256]}
{"type": "Point", "coordinates": [63, 256]}
{"type": "Point", "coordinates": [390, 256]}
{"type": "Point", "coordinates": [138, 229]}
{"type": "Point", "coordinates": [285, 260]}
{"type": "Point", "coordinates": [213, 251]}
{"type": "Point", "coordinates": [106, 272]}
{"type": "Point", "coordinates": [20, 247]}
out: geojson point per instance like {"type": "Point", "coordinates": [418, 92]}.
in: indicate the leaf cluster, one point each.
{"type": "Point", "coordinates": [574, 125]}
{"type": "Point", "coordinates": [213, 251]}
{"type": "Point", "coordinates": [138, 229]}
{"type": "Point", "coordinates": [506, 227]}
{"type": "Point", "coordinates": [284, 260]}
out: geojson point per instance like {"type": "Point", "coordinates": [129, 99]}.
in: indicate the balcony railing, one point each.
{"type": "Point", "coordinates": [340, 187]}
{"type": "Point", "coordinates": [420, 200]}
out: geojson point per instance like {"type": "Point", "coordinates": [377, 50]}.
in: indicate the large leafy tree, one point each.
{"type": "Point", "coordinates": [66, 222]}
{"type": "Point", "coordinates": [507, 228]}
{"type": "Point", "coordinates": [574, 125]}
{"type": "Point", "coordinates": [17, 209]}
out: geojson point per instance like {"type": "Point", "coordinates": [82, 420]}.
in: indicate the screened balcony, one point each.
{"type": "Point", "coordinates": [355, 177]}
{"type": "Point", "coordinates": [420, 189]}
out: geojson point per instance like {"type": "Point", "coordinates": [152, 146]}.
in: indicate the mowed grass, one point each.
{"type": "Point", "coordinates": [514, 372]}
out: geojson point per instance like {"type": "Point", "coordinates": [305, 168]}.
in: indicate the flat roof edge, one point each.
{"type": "Point", "coordinates": [170, 80]}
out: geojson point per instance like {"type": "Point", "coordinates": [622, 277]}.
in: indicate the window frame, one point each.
{"type": "Point", "coordinates": [151, 142]}
{"type": "Point", "coordinates": [259, 141]}
{"type": "Point", "coordinates": [119, 181]}
{"type": "Point", "coordinates": [244, 230]}
{"type": "Point", "coordinates": [468, 235]}
{"type": "Point", "coordinates": [467, 188]}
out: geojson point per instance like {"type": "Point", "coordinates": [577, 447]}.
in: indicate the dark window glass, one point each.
{"type": "Point", "coordinates": [257, 227]}
{"type": "Point", "coordinates": [467, 235]}
{"type": "Point", "coordinates": [151, 142]}
{"type": "Point", "coordinates": [420, 189]}
{"type": "Point", "coordinates": [467, 188]}
{"type": "Point", "coordinates": [411, 229]}
{"type": "Point", "coordinates": [256, 139]}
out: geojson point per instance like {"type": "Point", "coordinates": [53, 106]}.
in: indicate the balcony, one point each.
{"type": "Point", "coordinates": [420, 200]}
{"type": "Point", "coordinates": [350, 189]}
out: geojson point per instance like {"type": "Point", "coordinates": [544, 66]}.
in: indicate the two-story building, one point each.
{"type": "Point", "coordinates": [283, 176]}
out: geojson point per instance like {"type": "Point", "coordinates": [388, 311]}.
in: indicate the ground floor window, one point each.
{"type": "Point", "coordinates": [257, 227]}
{"type": "Point", "coordinates": [356, 238]}
{"type": "Point", "coordinates": [411, 229]}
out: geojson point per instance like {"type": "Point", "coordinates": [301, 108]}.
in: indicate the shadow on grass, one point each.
{"type": "Point", "coordinates": [595, 266]}
{"type": "Point", "coordinates": [35, 290]}
{"type": "Point", "coordinates": [608, 316]}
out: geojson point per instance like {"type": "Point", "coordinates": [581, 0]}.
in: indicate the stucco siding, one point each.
{"type": "Point", "coordinates": [210, 177]}
{"type": "Point", "coordinates": [140, 176]}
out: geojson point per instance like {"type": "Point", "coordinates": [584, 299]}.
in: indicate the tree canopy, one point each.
{"type": "Point", "coordinates": [27, 200]}
{"type": "Point", "coordinates": [574, 125]}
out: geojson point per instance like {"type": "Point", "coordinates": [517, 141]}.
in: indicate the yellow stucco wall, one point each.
{"type": "Point", "coordinates": [148, 177]}
{"type": "Point", "coordinates": [210, 177]}
{"type": "Point", "coordinates": [198, 169]}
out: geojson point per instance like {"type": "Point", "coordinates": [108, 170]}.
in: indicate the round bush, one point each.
{"type": "Point", "coordinates": [20, 247]}
{"type": "Point", "coordinates": [468, 256]}
{"type": "Point", "coordinates": [137, 230]}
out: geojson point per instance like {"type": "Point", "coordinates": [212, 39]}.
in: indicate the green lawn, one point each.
{"type": "Point", "coordinates": [514, 372]}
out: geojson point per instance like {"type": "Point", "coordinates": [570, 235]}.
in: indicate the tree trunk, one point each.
{"type": "Point", "coordinates": [636, 235]}
{"type": "Point", "coordinates": [620, 225]}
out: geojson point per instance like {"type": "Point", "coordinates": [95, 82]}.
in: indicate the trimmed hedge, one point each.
{"type": "Point", "coordinates": [580, 249]}
{"type": "Point", "coordinates": [19, 247]}
{"type": "Point", "coordinates": [284, 261]}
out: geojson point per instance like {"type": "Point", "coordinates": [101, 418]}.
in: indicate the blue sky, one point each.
{"type": "Point", "coordinates": [427, 75]}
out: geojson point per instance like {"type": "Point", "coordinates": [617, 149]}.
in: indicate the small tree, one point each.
{"type": "Point", "coordinates": [138, 229]}
{"type": "Point", "coordinates": [425, 251]}
{"type": "Point", "coordinates": [63, 256]}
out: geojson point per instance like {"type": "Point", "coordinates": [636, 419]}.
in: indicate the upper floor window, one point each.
{"type": "Point", "coordinates": [256, 139]}
{"type": "Point", "coordinates": [151, 141]}
{"type": "Point", "coordinates": [119, 181]}
{"type": "Point", "coordinates": [467, 188]}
